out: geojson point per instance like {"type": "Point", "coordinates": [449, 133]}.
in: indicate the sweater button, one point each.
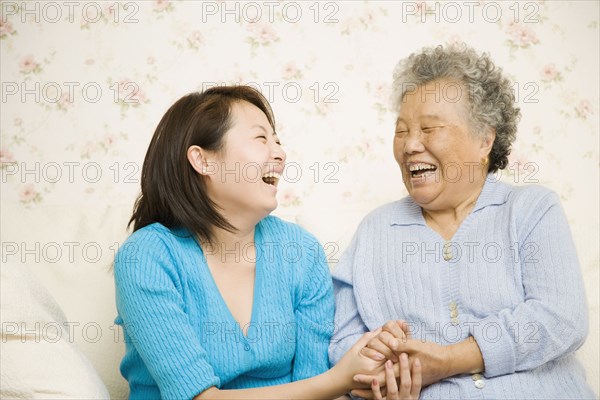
{"type": "Point", "coordinates": [447, 252]}
{"type": "Point", "coordinates": [479, 384]}
{"type": "Point", "coordinates": [247, 347]}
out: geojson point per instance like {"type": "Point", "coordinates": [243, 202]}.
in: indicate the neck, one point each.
{"type": "Point", "coordinates": [446, 221]}
{"type": "Point", "coordinates": [228, 246]}
{"type": "Point", "coordinates": [242, 236]}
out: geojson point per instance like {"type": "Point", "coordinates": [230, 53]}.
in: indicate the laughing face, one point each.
{"type": "Point", "coordinates": [243, 177]}
{"type": "Point", "coordinates": [440, 158]}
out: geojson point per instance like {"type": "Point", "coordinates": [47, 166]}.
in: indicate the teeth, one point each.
{"type": "Point", "coordinates": [419, 167]}
{"type": "Point", "coordinates": [275, 175]}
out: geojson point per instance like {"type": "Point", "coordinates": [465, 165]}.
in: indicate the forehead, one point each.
{"type": "Point", "coordinates": [247, 113]}
{"type": "Point", "coordinates": [435, 99]}
{"type": "Point", "coordinates": [247, 119]}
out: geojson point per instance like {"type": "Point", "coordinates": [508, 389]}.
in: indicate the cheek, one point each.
{"type": "Point", "coordinates": [398, 146]}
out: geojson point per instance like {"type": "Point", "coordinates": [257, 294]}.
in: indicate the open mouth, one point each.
{"type": "Point", "coordinates": [421, 169]}
{"type": "Point", "coordinates": [271, 178]}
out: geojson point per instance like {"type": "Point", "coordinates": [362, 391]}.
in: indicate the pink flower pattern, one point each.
{"type": "Point", "coordinates": [288, 198]}
{"type": "Point", "coordinates": [584, 109]}
{"type": "Point", "coordinates": [521, 35]}
{"type": "Point", "coordinates": [161, 5]}
{"type": "Point", "coordinates": [6, 28]}
{"type": "Point", "coordinates": [28, 64]}
{"type": "Point", "coordinates": [195, 39]}
{"type": "Point", "coordinates": [6, 157]}
{"type": "Point", "coordinates": [262, 34]}
{"type": "Point", "coordinates": [550, 73]}
{"type": "Point", "coordinates": [291, 71]}
{"type": "Point", "coordinates": [29, 194]}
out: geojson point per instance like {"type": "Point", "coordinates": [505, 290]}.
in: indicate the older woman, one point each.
{"type": "Point", "coordinates": [485, 274]}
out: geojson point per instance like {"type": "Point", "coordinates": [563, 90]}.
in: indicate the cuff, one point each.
{"type": "Point", "coordinates": [496, 344]}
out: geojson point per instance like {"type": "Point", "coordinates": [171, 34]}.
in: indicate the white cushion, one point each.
{"type": "Point", "coordinates": [39, 360]}
{"type": "Point", "coordinates": [59, 244]}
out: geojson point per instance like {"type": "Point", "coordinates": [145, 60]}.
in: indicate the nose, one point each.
{"type": "Point", "coordinates": [413, 142]}
{"type": "Point", "coordinates": [278, 153]}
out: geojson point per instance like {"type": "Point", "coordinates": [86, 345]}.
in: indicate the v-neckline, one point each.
{"type": "Point", "coordinates": [457, 234]}
{"type": "Point", "coordinates": [255, 290]}
{"type": "Point", "coordinates": [461, 227]}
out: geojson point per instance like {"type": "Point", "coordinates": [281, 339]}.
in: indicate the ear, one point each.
{"type": "Point", "coordinates": [488, 142]}
{"type": "Point", "coordinates": [196, 156]}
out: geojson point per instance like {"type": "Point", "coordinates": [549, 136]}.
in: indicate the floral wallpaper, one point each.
{"type": "Point", "coordinates": [84, 84]}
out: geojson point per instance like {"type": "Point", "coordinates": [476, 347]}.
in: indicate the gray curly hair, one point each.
{"type": "Point", "coordinates": [491, 97]}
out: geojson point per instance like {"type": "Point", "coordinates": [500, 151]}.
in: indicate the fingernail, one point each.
{"type": "Point", "coordinates": [379, 356]}
{"type": "Point", "coordinates": [388, 364]}
{"type": "Point", "coordinates": [404, 356]}
{"type": "Point", "coordinates": [374, 382]}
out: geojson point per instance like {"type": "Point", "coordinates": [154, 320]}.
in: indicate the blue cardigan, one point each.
{"type": "Point", "coordinates": [509, 277]}
{"type": "Point", "coordinates": [180, 336]}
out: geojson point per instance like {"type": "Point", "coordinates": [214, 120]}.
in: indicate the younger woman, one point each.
{"type": "Point", "coordinates": [218, 299]}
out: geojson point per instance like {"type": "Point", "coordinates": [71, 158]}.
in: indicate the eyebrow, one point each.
{"type": "Point", "coordinates": [263, 128]}
{"type": "Point", "coordinates": [428, 116]}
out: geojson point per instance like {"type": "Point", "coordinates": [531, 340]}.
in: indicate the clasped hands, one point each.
{"type": "Point", "coordinates": [408, 364]}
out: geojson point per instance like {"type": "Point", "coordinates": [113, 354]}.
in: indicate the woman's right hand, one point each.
{"type": "Point", "coordinates": [354, 361]}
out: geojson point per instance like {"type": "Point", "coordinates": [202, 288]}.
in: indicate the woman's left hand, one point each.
{"type": "Point", "coordinates": [378, 345]}
{"type": "Point", "coordinates": [408, 385]}
{"type": "Point", "coordinates": [433, 359]}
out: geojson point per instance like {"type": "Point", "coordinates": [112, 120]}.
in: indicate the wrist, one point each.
{"type": "Point", "coordinates": [449, 366]}
{"type": "Point", "coordinates": [338, 377]}
{"type": "Point", "coordinates": [463, 358]}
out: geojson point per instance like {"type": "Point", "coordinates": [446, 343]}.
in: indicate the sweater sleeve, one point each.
{"type": "Point", "coordinates": [314, 313]}
{"type": "Point", "coordinates": [349, 326]}
{"type": "Point", "coordinates": [552, 319]}
{"type": "Point", "coordinates": [152, 309]}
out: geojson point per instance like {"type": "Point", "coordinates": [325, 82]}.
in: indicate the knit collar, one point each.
{"type": "Point", "coordinates": [494, 192]}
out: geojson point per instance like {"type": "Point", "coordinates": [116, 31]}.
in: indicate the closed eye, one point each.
{"type": "Point", "coordinates": [431, 128]}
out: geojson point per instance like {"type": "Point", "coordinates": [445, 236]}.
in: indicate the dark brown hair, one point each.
{"type": "Point", "coordinates": [173, 193]}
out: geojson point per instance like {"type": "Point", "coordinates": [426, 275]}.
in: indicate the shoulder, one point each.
{"type": "Point", "coordinates": [387, 215]}
{"type": "Point", "coordinates": [532, 200]}
{"type": "Point", "coordinates": [519, 200]}
{"type": "Point", "coordinates": [153, 237]}
{"type": "Point", "coordinates": [153, 246]}
{"type": "Point", "coordinates": [530, 192]}
{"type": "Point", "coordinates": [389, 210]}
{"type": "Point", "coordinates": [527, 205]}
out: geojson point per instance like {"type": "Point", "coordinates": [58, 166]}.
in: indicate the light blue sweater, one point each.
{"type": "Point", "coordinates": [180, 336]}
{"type": "Point", "coordinates": [509, 277]}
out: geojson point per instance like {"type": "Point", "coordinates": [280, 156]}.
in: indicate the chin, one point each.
{"type": "Point", "coordinates": [271, 207]}
{"type": "Point", "coordinates": [422, 196]}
